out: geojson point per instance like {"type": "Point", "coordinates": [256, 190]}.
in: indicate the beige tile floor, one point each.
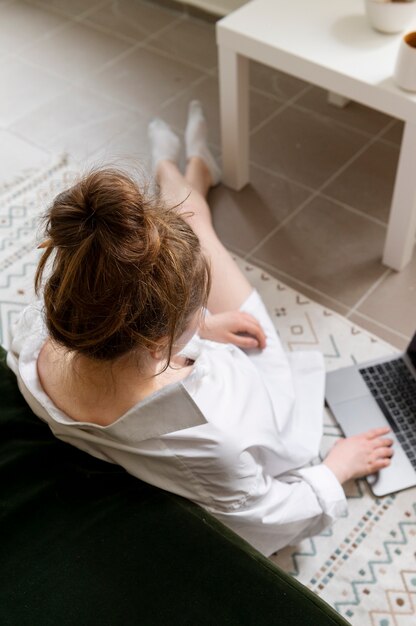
{"type": "Point", "coordinates": [86, 76]}
{"type": "Point", "coordinates": [217, 7]}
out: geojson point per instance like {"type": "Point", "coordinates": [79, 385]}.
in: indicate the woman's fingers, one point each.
{"type": "Point", "coordinates": [251, 325]}
{"type": "Point", "coordinates": [379, 452]}
{"type": "Point", "coordinates": [235, 327]}
{"type": "Point", "coordinates": [380, 464]}
{"type": "Point", "coordinates": [244, 341]}
{"type": "Point", "coordinates": [377, 432]}
{"type": "Point", "coordinates": [254, 329]}
{"type": "Point", "coordinates": [381, 443]}
{"type": "Point", "coordinates": [380, 459]}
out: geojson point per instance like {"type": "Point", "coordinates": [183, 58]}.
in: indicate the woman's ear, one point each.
{"type": "Point", "coordinates": [159, 349]}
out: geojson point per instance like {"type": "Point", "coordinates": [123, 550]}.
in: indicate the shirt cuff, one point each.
{"type": "Point", "coordinates": [327, 488]}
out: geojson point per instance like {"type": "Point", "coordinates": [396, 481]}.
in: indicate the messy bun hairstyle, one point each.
{"type": "Point", "coordinates": [127, 271]}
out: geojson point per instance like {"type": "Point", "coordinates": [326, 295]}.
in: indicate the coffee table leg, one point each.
{"type": "Point", "coordinates": [401, 229]}
{"type": "Point", "coordinates": [234, 109]}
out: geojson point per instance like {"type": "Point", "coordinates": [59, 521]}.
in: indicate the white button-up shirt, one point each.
{"type": "Point", "coordinates": [235, 436]}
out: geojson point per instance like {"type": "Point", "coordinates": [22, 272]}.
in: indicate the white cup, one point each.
{"type": "Point", "coordinates": [390, 17]}
{"type": "Point", "coordinates": [405, 70]}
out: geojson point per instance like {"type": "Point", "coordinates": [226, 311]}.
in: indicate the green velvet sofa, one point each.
{"type": "Point", "coordinates": [85, 544]}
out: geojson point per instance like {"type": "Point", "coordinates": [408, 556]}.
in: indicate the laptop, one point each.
{"type": "Point", "coordinates": [375, 394]}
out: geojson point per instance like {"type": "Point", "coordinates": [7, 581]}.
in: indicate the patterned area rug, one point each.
{"type": "Point", "coordinates": [365, 566]}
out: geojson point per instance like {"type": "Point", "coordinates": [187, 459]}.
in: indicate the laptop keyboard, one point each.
{"type": "Point", "coordinates": [394, 389]}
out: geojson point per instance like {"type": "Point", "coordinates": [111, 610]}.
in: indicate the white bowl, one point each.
{"type": "Point", "coordinates": [390, 17]}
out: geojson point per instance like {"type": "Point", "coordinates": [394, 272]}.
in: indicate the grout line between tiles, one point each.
{"type": "Point", "coordinates": [16, 57]}
{"type": "Point", "coordinates": [50, 33]}
{"type": "Point", "coordinates": [134, 44]}
{"type": "Point", "coordinates": [320, 189]}
{"type": "Point", "coordinates": [302, 285]}
{"type": "Point", "coordinates": [160, 31]}
{"type": "Point", "coordinates": [87, 12]}
{"type": "Point", "coordinates": [352, 209]}
{"type": "Point", "coordinates": [129, 108]}
{"type": "Point", "coordinates": [386, 129]}
{"type": "Point", "coordinates": [283, 177]}
{"type": "Point", "coordinates": [57, 11]}
{"type": "Point", "coordinates": [111, 62]}
{"type": "Point", "coordinates": [268, 118]}
{"type": "Point", "coordinates": [106, 117]}
{"type": "Point", "coordinates": [343, 125]}
{"type": "Point", "coordinates": [71, 19]}
{"type": "Point", "coordinates": [389, 142]}
{"type": "Point", "coordinates": [369, 291]}
{"type": "Point", "coordinates": [124, 108]}
{"type": "Point", "coordinates": [69, 81]}
{"type": "Point", "coordinates": [145, 113]}
{"type": "Point", "coordinates": [181, 92]}
{"type": "Point", "coordinates": [65, 87]}
{"type": "Point", "coordinates": [355, 156]}
{"type": "Point", "coordinates": [283, 222]}
{"type": "Point", "coordinates": [269, 94]}
{"type": "Point", "coordinates": [29, 141]}
{"type": "Point", "coordinates": [74, 82]}
{"type": "Point", "coordinates": [279, 109]}
{"type": "Point", "coordinates": [381, 325]}
{"type": "Point", "coordinates": [146, 44]}
{"type": "Point", "coordinates": [106, 31]}
{"type": "Point", "coordinates": [83, 82]}
{"type": "Point", "coordinates": [129, 39]}
{"type": "Point", "coordinates": [166, 55]}
{"type": "Point", "coordinates": [174, 127]}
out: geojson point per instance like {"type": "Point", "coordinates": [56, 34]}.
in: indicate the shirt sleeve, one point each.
{"type": "Point", "coordinates": [287, 509]}
{"type": "Point", "coordinates": [29, 323]}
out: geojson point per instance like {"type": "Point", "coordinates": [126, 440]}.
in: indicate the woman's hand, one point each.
{"type": "Point", "coordinates": [237, 327]}
{"type": "Point", "coordinates": [360, 455]}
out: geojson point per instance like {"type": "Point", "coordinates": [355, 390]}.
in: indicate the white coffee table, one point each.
{"type": "Point", "coordinates": [328, 43]}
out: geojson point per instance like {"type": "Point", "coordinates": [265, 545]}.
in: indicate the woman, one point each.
{"type": "Point", "coordinates": [121, 361]}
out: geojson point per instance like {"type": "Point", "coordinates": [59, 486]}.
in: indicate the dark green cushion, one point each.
{"type": "Point", "coordinates": [83, 543]}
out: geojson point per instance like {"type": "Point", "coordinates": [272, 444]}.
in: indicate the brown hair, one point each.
{"type": "Point", "coordinates": [127, 273]}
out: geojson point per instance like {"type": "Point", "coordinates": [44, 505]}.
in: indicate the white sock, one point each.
{"type": "Point", "coordinates": [196, 140]}
{"type": "Point", "coordinates": [164, 143]}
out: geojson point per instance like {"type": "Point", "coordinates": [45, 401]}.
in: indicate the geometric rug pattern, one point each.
{"type": "Point", "coordinates": [365, 566]}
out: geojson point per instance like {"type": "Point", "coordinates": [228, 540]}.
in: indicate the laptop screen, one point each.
{"type": "Point", "coordinates": [411, 351]}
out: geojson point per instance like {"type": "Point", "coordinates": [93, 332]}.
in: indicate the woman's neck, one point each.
{"type": "Point", "coordinates": [91, 392]}
{"type": "Point", "coordinates": [105, 376]}
{"type": "Point", "coordinates": [125, 376]}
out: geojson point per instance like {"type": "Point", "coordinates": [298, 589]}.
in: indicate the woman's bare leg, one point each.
{"type": "Point", "coordinates": [229, 288]}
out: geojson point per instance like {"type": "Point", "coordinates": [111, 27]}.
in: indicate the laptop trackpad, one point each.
{"type": "Point", "coordinates": [361, 414]}
{"type": "Point", "coordinates": [344, 384]}
{"type": "Point", "coordinates": [358, 415]}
